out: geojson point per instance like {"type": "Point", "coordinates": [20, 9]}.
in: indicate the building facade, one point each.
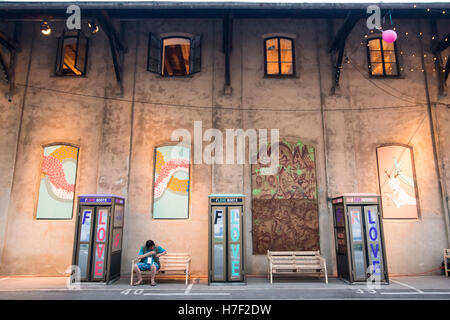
{"type": "Point", "coordinates": [276, 70]}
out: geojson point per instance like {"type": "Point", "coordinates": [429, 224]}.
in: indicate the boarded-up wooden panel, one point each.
{"type": "Point", "coordinates": [284, 205]}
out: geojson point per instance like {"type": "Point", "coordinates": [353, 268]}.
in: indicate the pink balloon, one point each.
{"type": "Point", "coordinates": [389, 35]}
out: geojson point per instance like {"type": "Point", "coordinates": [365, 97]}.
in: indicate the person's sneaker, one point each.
{"type": "Point", "coordinates": [153, 283]}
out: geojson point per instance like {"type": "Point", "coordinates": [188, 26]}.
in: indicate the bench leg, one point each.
{"type": "Point", "coordinates": [326, 274]}
{"type": "Point", "coordinates": [132, 273]}
{"type": "Point", "coordinates": [446, 267]}
{"type": "Point", "coordinates": [271, 274]}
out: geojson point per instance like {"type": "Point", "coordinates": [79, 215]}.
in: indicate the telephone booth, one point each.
{"type": "Point", "coordinates": [226, 239]}
{"type": "Point", "coordinates": [98, 237]}
{"type": "Point", "coordinates": [358, 227]}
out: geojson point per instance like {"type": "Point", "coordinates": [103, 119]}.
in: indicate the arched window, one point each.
{"type": "Point", "coordinates": [174, 55]}
{"type": "Point", "coordinates": [279, 57]}
{"type": "Point", "coordinates": [57, 182]}
{"type": "Point", "coordinates": [382, 58]}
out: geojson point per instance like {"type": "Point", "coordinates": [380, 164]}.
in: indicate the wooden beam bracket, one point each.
{"type": "Point", "coordinates": [116, 44]}
{"type": "Point", "coordinates": [227, 32]}
{"type": "Point", "coordinates": [337, 47]}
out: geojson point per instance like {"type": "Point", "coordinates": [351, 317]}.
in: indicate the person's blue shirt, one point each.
{"type": "Point", "coordinates": [157, 249]}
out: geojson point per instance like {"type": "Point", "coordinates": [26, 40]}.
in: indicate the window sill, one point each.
{"type": "Point", "coordinates": [67, 76]}
{"type": "Point", "coordinates": [189, 76]}
{"type": "Point", "coordinates": [281, 77]}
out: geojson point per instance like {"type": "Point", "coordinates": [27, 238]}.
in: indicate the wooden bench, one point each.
{"type": "Point", "coordinates": [446, 261]}
{"type": "Point", "coordinates": [288, 262]}
{"type": "Point", "coordinates": [170, 263]}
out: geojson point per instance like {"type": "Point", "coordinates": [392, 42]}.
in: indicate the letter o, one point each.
{"type": "Point", "coordinates": [235, 234]}
{"type": "Point", "coordinates": [373, 233]}
{"type": "Point", "coordinates": [103, 235]}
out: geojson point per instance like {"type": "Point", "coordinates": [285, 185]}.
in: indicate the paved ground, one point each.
{"type": "Point", "coordinates": [55, 288]}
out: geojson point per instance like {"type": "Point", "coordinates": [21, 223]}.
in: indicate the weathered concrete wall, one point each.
{"type": "Point", "coordinates": [10, 117]}
{"type": "Point", "coordinates": [371, 127]}
{"type": "Point", "coordinates": [117, 136]}
{"type": "Point", "coordinates": [44, 247]}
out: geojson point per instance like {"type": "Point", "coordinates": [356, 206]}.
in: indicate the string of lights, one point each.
{"type": "Point", "coordinates": [390, 93]}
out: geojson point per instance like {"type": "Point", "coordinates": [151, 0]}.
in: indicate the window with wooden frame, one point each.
{"type": "Point", "coordinates": [71, 58]}
{"type": "Point", "coordinates": [382, 58]}
{"type": "Point", "coordinates": [174, 56]}
{"type": "Point", "coordinates": [279, 57]}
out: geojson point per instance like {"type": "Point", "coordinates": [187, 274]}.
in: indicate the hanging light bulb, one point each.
{"type": "Point", "coordinates": [93, 27]}
{"type": "Point", "coordinates": [45, 28]}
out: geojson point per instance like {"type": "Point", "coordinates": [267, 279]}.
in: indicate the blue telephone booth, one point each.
{"type": "Point", "coordinates": [226, 239]}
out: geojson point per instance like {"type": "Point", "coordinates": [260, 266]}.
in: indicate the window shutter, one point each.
{"type": "Point", "coordinates": [195, 62]}
{"type": "Point", "coordinates": [154, 53]}
{"type": "Point", "coordinates": [82, 51]}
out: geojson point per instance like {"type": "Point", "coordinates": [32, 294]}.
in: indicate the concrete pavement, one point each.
{"type": "Point", "coordinates": [55, 288]}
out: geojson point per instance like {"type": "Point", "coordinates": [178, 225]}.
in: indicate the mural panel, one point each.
{"type": "Point", "coordinates": [284, 205]}
{"type": "Point", "coordinates": [171, 183]}
{"type": "Point", "coordinates": [398, 188]}
{"type": "Point", "coordinates": [57, 185]}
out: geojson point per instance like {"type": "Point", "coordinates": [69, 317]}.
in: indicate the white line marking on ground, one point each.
{"type": "Point", "coordinates": [406, 285]}
{"type": "Point", "coordinates": [188, 289]}
{"type": "Point", "coordinates": [183, 294]}
{"type": "Point", "coordinates": [415, 292]}
{"type": "Point", "coordinates": [4, 279]}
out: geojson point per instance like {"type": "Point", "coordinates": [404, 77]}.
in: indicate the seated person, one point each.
{"type": "Point", "coordinates": [149, 250]}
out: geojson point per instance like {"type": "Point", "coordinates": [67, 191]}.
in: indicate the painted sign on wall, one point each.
{"type": "Point", "coordinates": [396, 177]}
{"type": "Point", "coordinates": [57, 184]}
{"type": "Point", "coordinates": [171, 183]}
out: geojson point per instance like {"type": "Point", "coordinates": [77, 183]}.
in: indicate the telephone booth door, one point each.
{"type": "Point", "coordinates": [93, 241]}
{"type": "Point", "coordinates": [98, 237]}
{"type": "Point", "coordinates": [358, 229]}
{"type": "Point", "coordinates": [226, 240]}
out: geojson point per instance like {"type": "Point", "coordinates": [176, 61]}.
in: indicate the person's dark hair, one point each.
{"type": "Point", "coordinates": [149, 244]}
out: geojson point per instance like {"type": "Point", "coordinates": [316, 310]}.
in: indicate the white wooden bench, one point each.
{"type": "Point", "coordinates": [170, 263]}
{"type": "Point", "coordinates": [446, 263]}
{"type": "Point", "coordinates": [297, 262]}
